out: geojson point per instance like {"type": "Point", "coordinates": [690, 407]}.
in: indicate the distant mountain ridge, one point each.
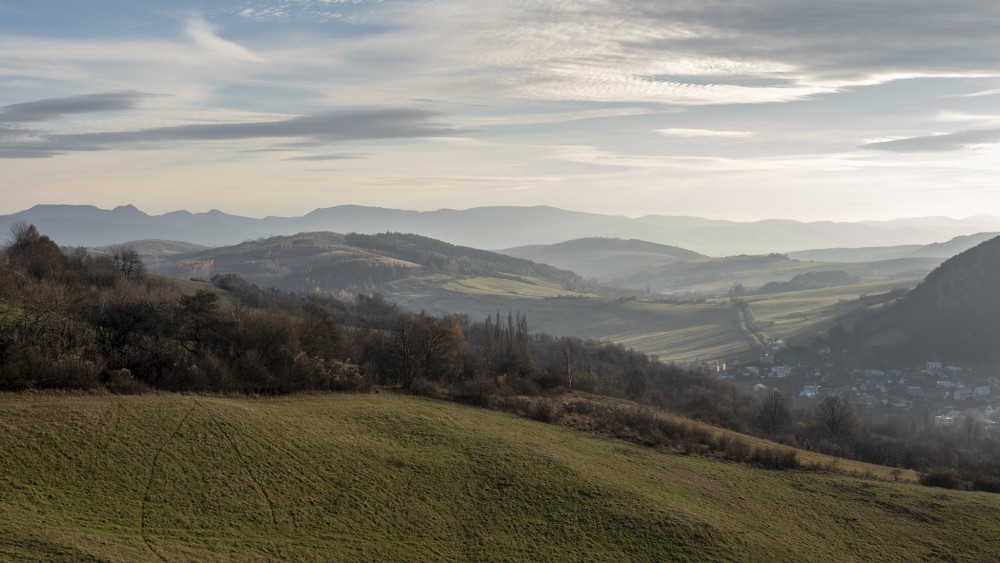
{"type": "Point", "coordinates": [945, 249]}
{"type": "Point", "coordinates": [491, 227]}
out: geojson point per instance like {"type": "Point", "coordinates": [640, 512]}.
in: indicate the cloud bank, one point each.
{"type": "Point", "coordinates": [319, 129]}
{"type": "Point", "coordinates": [52, 108]}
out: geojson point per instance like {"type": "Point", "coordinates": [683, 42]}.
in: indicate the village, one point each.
{"type": "Point", "coordinates": [931, 394]}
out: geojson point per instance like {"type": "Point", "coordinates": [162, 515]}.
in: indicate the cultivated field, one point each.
{"type": "Point", "coordinates": [674, 332]}
{"type": "Point", "coordinates": [385, 477]}
{"type": "Point", "coordinates": [804, 313]}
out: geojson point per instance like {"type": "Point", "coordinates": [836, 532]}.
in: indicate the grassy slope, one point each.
{"type": "Point", "coordinates": [797, 313]}
{"type": "Point", "coordinates": [714, 275]}
{"type": "Point", "coordinates": [396, 478]}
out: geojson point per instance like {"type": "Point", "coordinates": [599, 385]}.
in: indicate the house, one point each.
{"type": "Point", "coordinates": [933, 365]}
{"type": "Point", "coordinates": [962, 394]}
{"type": "Point", "coordinates": [915, 391]}
{"type": "Point", "coordinates": [944, 421]}
{"type": "Point", "coordinates": [780, 371]}
{"type": "Point", "coordinates": [980, 392]}
{"type": "Point", "coordinates": [864, 400]}
{"type": "Point", "coordinates": [951, 418]}
{"type": "Point", "coordinates": [809, 391]}
{"type": "Point", "coordinates": [761, 388]}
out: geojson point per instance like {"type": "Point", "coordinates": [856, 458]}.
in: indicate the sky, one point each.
{"type": "Point", "coordinates": [741, 110]}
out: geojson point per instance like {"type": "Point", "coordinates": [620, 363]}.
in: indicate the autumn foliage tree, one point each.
{"type": "Point", "coordinates": [426, 347]}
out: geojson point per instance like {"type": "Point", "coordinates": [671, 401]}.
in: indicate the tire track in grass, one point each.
{"type": "Point", "coordinates": [149, 484]}
{"type": "Point", "coordinates": [243, 462]}
{"type": "Point", "coordinates": [108, 424]}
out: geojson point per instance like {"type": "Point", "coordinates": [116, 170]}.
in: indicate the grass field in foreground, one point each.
{"type": "Point", "coordinates": [384, 477]}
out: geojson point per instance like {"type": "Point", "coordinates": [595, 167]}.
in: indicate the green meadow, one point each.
{"type": "Point", "coordinates": [796, 314]}
{"type": "Point", "coordinates": [388, 477]}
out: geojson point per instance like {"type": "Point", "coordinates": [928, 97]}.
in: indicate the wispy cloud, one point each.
{"type": "Point", "coordinates": [942, 142]}
{"type": "Point", "coordinates": [313, 11]}
{"type": "Point", "coordinates": [51, 108]}
{"type": "Point", "coordinates": [677, 132]}
{"type": "Point", "coordinates": [309, 130]}
{"type": "Point", "coordinates": [204, 35]}
{"type": "Point", "coordinates": [325, 157]}
{"type": "Point", "coordinates": [683, 52]}
{"type": "Point", "coordinates": [979, 94]}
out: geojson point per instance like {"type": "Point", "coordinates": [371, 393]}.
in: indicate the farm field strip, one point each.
{"type": "Point", "coordinates": [787, 315]}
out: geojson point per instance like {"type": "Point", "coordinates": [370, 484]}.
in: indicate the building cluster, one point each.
{"type": "Point", "coordinates": [931, 393]}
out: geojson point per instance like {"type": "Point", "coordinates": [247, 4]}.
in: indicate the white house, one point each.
{"type": "Point", "coordinates": [809, 391]}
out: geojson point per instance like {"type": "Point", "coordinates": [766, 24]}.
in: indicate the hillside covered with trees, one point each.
{"type": "Point", "coordinates": [953, 314]}
{"type": "Point", "coordinates": [334, 263]}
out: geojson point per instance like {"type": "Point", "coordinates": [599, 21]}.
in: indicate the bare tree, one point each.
{"type": "Point", "coordinates": [773, 413]}
{"type": "Point", "coordinates": [128, 260]}
{"type": "Point", "coordinates": [22, 235]}
{"type": "Point", "coordinates": [508, 345]}
{"type": "Point", "coordinates": [33, 252]}
{"type": "Point", "coordinates": [836, 417]}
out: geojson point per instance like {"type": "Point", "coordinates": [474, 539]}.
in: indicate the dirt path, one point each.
{"type": "Point", "coordinates": [744, 326]}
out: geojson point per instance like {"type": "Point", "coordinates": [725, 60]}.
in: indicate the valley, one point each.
{"type": "Point", "coordinates": [683, 314]}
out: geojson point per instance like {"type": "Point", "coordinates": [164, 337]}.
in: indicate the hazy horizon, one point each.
{"type": "Point", "coordinates": [750, 111]}
{"type": "Point", "coordinates": [984, 216]}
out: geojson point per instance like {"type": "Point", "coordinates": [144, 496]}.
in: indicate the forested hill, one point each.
{"type": "Point", "coordinates": [332, 262]}
{"type": "Point", "coordinates": [954, 312]}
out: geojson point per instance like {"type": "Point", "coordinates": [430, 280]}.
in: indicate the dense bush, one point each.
{"type": "Point", "coordinates": [944, 477]}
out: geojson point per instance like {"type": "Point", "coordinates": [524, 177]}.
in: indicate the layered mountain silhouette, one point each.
{"type": "Point", "coordinates": [491, 227]}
